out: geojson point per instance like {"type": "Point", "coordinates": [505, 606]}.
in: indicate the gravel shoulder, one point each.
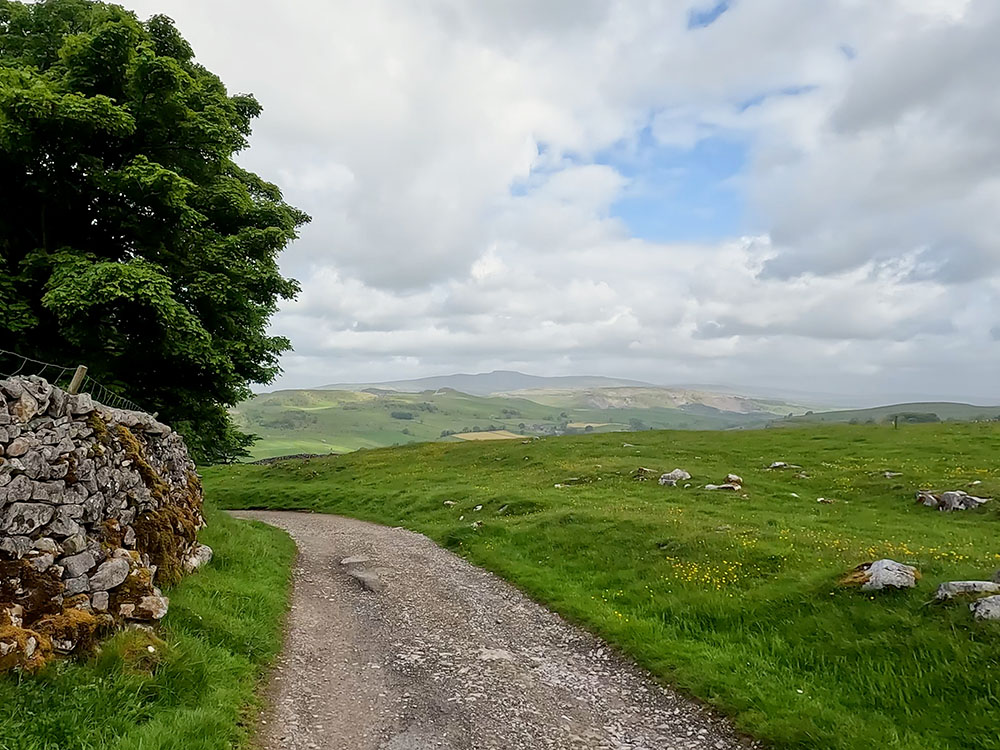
{"type": "Point", "coordinates": [410, 647]}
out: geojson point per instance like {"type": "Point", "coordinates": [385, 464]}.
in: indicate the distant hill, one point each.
{"type": "Point", "coordinates": [652, 397]}
{"type": "Point", "coordinates": [321, 421]}
{"type": "Point", "coordinates": [912, 412]}
{"type": "Point", "coordinates": [486, 383]}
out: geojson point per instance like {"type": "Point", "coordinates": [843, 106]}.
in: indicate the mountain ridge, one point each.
{"type": "Point", "coordinates": [488, 383]}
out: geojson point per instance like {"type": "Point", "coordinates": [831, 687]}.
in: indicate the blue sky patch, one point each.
{"type": "Point", "coordinates": [681, 195]}
{"type": "Point", "coordinates": [700, 18]}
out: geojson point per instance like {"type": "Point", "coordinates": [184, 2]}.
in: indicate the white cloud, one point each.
{"type": "Point", "coordinates": [453, 156]}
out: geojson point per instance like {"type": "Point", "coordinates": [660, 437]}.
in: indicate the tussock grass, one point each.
{"type": "Point", "coordinates": [733, 599]}
{"type": "Point", "coordinates": [195, 689]}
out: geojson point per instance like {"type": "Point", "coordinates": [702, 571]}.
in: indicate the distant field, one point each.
{"type": "Point", "coordinates": [944, 411]}
{"type": "Point", "coordinates": [325, 421]}
{"type": "Point", "coordinates": [495, 435]}
{"type": "Point", "coordinates": [734, 599]}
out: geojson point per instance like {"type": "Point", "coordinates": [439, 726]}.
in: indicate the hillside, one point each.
{"type": "Point", "coordinates": [735, 598]}
{"type": "Point", "coordinates": [650, 397]}
{"type": "Point", "coordinates": [486, 383]}
{"type": "Point", "coordinates": [918, 411]}
{"type": "Point", "coordinates": [324, 421]}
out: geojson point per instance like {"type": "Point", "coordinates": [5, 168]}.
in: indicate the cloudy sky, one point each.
{"type": "Point", "coordinates": [767, 193]}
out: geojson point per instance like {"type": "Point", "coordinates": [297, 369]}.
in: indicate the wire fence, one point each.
{"type": "Point", "coordinates": [13, 364]}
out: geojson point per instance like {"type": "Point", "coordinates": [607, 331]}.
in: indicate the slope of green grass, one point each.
{"type": "Point", "coordinates": [944, 410]}
{"type": "Point", "coordinates": [323, 421]}
{"type": "Point", "coordinates": [196, 689]}
{"type": "Point", "coordinates": [733, 599]}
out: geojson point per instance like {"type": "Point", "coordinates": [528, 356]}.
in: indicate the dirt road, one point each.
{"type": "Point", "coordinates": [409, 647]}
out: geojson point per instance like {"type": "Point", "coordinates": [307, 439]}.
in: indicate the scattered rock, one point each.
{"type": "Point", "coordinates": [892, 474]}
{"type": "Point", "coordinates": [826, 500]}
{"type": "Point", "coordinates": [949, 501]}
{"type": "Point", "coordinates": [987, 608]}
{"type": "Point", "coordinates": [726, 486]}
{"type": "Point", "coordinates": [672, 478]}
{"type": "Point", "coordinates": [369, 580]}
{"type": "Point", "coordinates": [153, 607]}
{"type": "Point", "coordinates": [642, 474]}
{"type": "Point", "coordinates": [734, 479]}
{"type": "Point", "coordinates": [881, 574]}
{"type": "Point", "coordinates": [783, 465]}
{"type": "Point", "coordinates": [449, 503]}
{"type": "Point", "coordinates": [951, 589]}
{"type": "Point", "coordinates": [477, 508]}
{"type": "Point", "coordinates": [200, 556]}
{"type": "Point", "coordinates": [355, 560]}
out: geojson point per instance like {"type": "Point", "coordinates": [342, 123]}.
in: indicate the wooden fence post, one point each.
{"type": "Point", "coordinates": [77, 381]}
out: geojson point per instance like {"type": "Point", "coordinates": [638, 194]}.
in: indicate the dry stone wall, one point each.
{"type": "Point", "coordinates": [98, 507]}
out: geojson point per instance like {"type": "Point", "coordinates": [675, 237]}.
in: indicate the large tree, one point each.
{"type": "Point", "coordinates": [130, 240]}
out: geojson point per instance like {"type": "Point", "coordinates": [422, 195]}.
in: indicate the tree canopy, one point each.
{"type": "Point", "coordinates": [130, 240]}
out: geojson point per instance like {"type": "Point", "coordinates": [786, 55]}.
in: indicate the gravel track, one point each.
{"type": "Point", "coordinates": [416, 649]}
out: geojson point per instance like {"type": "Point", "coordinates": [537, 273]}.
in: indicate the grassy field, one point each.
{"type": "Point", "coordinates": [942, 409]}
{"type": "Point", "coordinates": [734, 599]}
{"type": "Point", "coordinates": [325, 421]}
{"type": "Point", "coordinates": [195, 690]}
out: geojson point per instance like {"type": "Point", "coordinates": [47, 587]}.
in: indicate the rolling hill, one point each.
{"type": "Point", "coordinates": [944, 411]}
{"type": "Point", "coordinates": [324, 421]}
{"type": "Point", "coordinates": [487, 383]}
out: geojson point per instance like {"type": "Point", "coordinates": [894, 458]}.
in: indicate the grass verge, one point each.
{"type": "Point", "coordinates": [196, 688]}
{"type": "Point", "coordinates": [733, 599]}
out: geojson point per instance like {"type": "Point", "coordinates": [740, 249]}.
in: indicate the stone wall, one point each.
{"type": "Point", "coordinates": [97, 507]}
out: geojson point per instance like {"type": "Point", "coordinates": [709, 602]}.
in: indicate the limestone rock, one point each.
{"type": "Point", "coordinates": [949, 501]}
{"type": "Point", "coordinates": [77, 565]}
{"type": "Point", "coordinates": [110, 574]}
{"type": "Point", "coordinates": [951, 589]}
{"type": "Point", "coordinates": [77, 585]}
{"type": "Point", "coordinates": [987, 608]}
{"type": "Point", "coordinates": [200, 556]}
{"type": "Point", "coordinates": [369, 580]}
{"type": "Point", "coordinates": [74, 544]}
{"type": "Point", "coordinates": [18, 447]}
{"type": "Point", "coordinates": [45, 544]}
{"type": "Point", "coordinates": [153, 607]}
{"type": "Point", "coordinates": [670, 479]}
{"type": "Point", "coordinates": [26, 518]}
{"type": "Point", "coordinates": [15, 546]}
{"type": "Point", "coordinates": [42, 562]}
{"type": "Point", "coordinates": [881, 574]}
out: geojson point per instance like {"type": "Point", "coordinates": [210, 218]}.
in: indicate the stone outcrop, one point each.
{"type": "Point", "coordinates": [949, 501]}
{"type": "Point", "coordinates": [98, 506]}
{"type": "Point", "coordinates": [882, 574]}
{"type": "Point", "coordinates": [671, 479]}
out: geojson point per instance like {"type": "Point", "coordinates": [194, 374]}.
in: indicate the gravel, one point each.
{"type": "Point", "coordinates": [426, 651]}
